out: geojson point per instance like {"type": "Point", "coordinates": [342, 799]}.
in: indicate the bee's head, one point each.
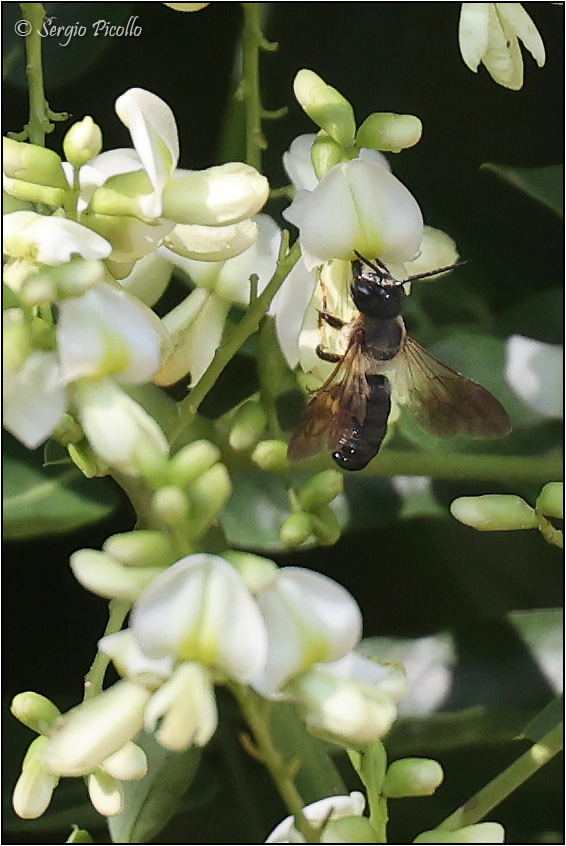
{"type": "Point", "coordinates": [374, 291]}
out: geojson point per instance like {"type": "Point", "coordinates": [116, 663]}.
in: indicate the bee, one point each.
{"type": "Point", "coordinates": [348, 414]}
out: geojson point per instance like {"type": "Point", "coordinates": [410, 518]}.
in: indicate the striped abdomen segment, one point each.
{"type": "Point", "coordinates": [363, 441]}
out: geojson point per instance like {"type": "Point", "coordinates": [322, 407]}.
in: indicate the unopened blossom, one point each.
{"type": "Point", "coordinates": [484, 832]}
{"type": "Point", "coordinates": [535, 372]}
{"type": "Point", "coordinates": [490, 33]}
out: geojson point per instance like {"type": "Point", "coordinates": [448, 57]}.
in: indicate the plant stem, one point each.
{"type": "Point", "coordinates": [94, 679]}
{"type": "Point", "coordinates": [189, 406]}
{"type": "Point", "coordinates": [476, 808]}
{"type": "Point", "coordinates": [255, 712]}
{"type": "Point", "coordinates": [252, 37]}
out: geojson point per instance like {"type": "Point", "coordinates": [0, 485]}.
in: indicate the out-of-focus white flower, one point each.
{"type": "Point", "coordinates": [50, 240]}
{"type": "Point", "coordinates": [333, 808]}
{"type": "Point", "coordinates": [309, 618]}
{"type": "Point", "coordinates": [200, 610]}
{"type": "Point", "coordinates": [34, 399]}
{"type": "Point", "coordinates": [535, 372]}
{"type": "Point", "coordinates": [485, 832]}
{"type": "Point", "coordinates": [490, 33]}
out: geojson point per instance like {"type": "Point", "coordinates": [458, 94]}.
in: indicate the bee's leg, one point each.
{"type": "Point", "coordinates": [328, 356]}
{"type": "Point", "coordinates": [333, 321]}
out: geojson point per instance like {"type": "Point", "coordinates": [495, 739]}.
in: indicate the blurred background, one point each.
{"type": "Point", "coordinates": [415, 571]}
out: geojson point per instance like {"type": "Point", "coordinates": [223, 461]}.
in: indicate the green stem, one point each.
{"type": "Point", "coordinates": [476, 808]}
{"type": "Point", "coordinates": [371, 766]}
{"type": "Point", "coordinates": [38, 123]}
{"type": "Point", "coordinates": [253, 38]}
{"type": "Point", "coordinates": [189, 406]}
{"type": "Point", "coordinates": [255, 711]}
{"type": "Point", "coordinates": [455, 465]}
{"type": "Point", "coordinates": [94, 679]}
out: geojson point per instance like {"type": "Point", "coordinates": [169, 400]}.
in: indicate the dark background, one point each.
{"type": "Point", "coordinates": [411, 578]}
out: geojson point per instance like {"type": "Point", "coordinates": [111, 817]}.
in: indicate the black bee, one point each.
{"type": "Point", "coordinates": [348, 414]}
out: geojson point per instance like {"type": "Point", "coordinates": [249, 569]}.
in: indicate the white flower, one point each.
{"type": "Point", "coordinates": [535, 372]}
{"type": "Point", "coordinates": [34, 399]}
{"type": "Point", "coordinates": [50, 240]}
{"type": "Point", "coordinates": [333, 808]}
{"type": "Point", "coordinates": [490, 33]}
{"type": "Point", "coordinates": [200, 610]}
{"type": "Point", "coordinates": [185, 708]}
{"type": "Point", "coordinates": [309, 618]}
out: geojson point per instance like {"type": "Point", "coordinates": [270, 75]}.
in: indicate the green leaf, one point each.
{"type": "Point", "coordinates": [79, 835]}
{"type": "Point", "coordinates": [545, 184]}
{"type": "Point", "coordinates": [317, 776]}
{"type": "Point", "coordinates": [256, 511]}
{"type": "Point", "coordinates": [49, 501]}
{"type": "Point", "coordinates": [151, 802]}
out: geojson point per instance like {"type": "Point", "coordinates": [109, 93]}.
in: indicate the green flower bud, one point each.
{"type": "Point", "coordinates": [351, 829]}
{"type": "Point", "coordinates": [550, 501]}
{"type": "Point", "coordinates": [494, 512]}
{"type": "Point", "coordinates": [325, 525]}
{"type": "Point", "coordinates": [192, 461]}
{"type": "Point", "coordinates": [83, 456]}
{"type": "Point", "coordinates": [70, 279]}
{"type": "Point", "coordinates": [34, 192]}
{"type": "Point", "coordinates": [271, 456]}
{"type": "Point", "coordinates": [325, 154]}
{"type": "Point", "coordinates": [388, 131]}
{"type": "Point", "coordinates": [105, 576]}
{"type": "Point", "coordinates": [35, 711]}
{"type": "Point", "coordinates": [321, 489]}
{"type": "Point", "coordinates": [141, 548]}
{"type": "Point", "coordinates": [296, 529]}
{"type": "Point", "coordinates": [120, 195]}
{"type": "Point", "coordinates": [412, 777]}
{"type": "Point", "coordinates": [68, 431]}
{"type": "Point", "coordinates": [208, 494]}
{"type": "Point", "coordinates": [486, 832]}
{"type": "Point", "coordinates": [29, 163]}
{"type": "Point", "coordinates": [248, 426]}
{"type": "Point", "coordinates": [170, 504]}
{"type": "Point", "coordinates": [325, 106]}
{"type": "Point", "coordinates": [82, 142]}
{"type": "Point", "coordinates": [256, 571]}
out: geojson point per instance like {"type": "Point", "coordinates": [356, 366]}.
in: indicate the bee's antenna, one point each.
{"type": "Point", "coordinates": [375, 265]}
{"type": "Point", "coordinates": [435, 272]}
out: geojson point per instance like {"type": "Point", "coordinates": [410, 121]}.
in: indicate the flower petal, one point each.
{"type": "Point", "coordinates": [50, 240]}
{"type": "Point", "coordinates": [534, 371]}
{"type": "Point", "coordinates": [473, 33]}
{"type": "Point", "coordinates": [524, 28]}
{"type": "Point", "coordinates": [36, 401]}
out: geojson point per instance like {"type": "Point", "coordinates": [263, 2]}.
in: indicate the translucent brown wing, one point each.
{"type": "Point", "coordinates": [444, 401]}
{"type": "Point", "coordinates": [335, 409]}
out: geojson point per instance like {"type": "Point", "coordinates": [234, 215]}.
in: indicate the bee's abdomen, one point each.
{"type": "Point", "coordinates": [363, 442]}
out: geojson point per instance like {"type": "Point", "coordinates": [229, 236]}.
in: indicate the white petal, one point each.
{"type": "Point", "coordinates": [106, 794]}
{"type": "Point", "coordinates": [116, 426]}
{"type": "Point", "coordinates": [503, 57]}
{"type": "Point", "coordinates": [127, 764]}
{"type": "Point", "coordinates": [212, 243]}
{"type": "Point", "coordinates": [50, 240]}
{"type": "Point", "coordinates": [473, 33]}
{"type": "Point", "coordinates": [201, 610]}
{"type": "Point", "coordinates": [524, 28]}
{"type": "Point", "coordinates": [437, 250]}
{"type": "Point", "coordinates": [37, 400]}
{"type": "Point", "coordinates": [186, 708]}
{"type": "Point", "coordinates": [34, 788]}
{"type": "Point", "coordinates": [96, 729]}
{"type": "Point", "coordinates": [130, 661]}
{"type": "Point", "coordinates": [289, 306]}
{"type": "Point", "coordinates": [233, 282]}
{"type": "Point", "coordinates": [113, 163]}
{"type": "Point", "coordinates": [149, 278]}
{"type": "Point", "coordinates": [334, 807]}
{"type": "Point", "coordinates": [107, 331]}
{"type": "Point", "coordinates": [154, 134]}
{"type": "Point", "coordinates": [534, 371]}
{"type": "Point", "coordinates": [297, 162]}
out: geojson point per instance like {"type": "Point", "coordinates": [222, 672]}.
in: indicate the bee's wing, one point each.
{"type": "Point", "coordinates": [445, 402]}
{"type": "Point", "coordinates": [334, 410]}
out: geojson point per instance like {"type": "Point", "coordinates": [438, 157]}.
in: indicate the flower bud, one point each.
{"type": "Point", "coordinates": [325, 106]}
{"type": "Point", "coordinates": [248, 425]}
{"type": "Point", "coordinates": [296, 529]}
{"type": "Point", "coordinates": [325, 154]}
{"type": "Point", "coordinates": [31, 163]}
{"type": "Point", "coordinates": [127, 764]}
{"type": "Point", "coordinates": [34, 711]}
{"type": "Point", "coordinates": [170, 504]}
{"type": "Point", "coordinates": [30, 192]}
{"type": "Point", "coordinates": [255, 570]}
{"type": "Point", "coordinates": [494, 512]}
{"type": "Point", "coordinates": [485, 832]}
{"type": "Point", "coordinates": [82, 142]}
{"type": "Point", "coordinates": [140, 548]}
{"type": "Point", "coordinates": [412, 777]}
{"type": "Point", "coordinates": [325, 525]}
{"type": "Point", "coordinates": [192, 461]}
{"type": "Point", "coordinates": [321, 489]}
{"type": "Point", "coordinates": [101, 574]}
{"type": "Point", "coordinates": [96, 729]}
{"type": "Point", "coordinates": [64, 280]}
{"type": "Point", "coordinates": [208, 495]}
{"type": "Point", "coordinates": [106, 794]}
{"type": "Point", "coordinates": [388, 131]}
{"type": "Point", "coordinates": [271, 456]}
{"type": "Point", "coordinates": [550, 501]}
{"type": "Point", "coordinates": [84, 457]}
{"type": "Point", "coordinates": [33, 790]}
{"type": "Point", "coordinates": [349, 830]}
